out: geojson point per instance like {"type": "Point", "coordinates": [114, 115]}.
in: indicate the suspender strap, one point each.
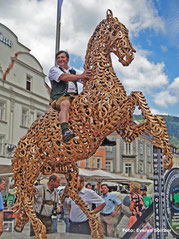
{"type": "Point", "coordinates": [47, 202]}
{"type": "Point", "coordinates": [42, 206]}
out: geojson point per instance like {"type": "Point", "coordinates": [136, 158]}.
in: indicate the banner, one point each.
{"type": "Point", "coordinates": [172, 200]}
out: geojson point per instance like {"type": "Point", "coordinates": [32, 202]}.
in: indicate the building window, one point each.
{"type": "Point", "coordinates": [141, 149]}
{"type": "Point", "coordinates": [128, 168]}
{"type": "Point", "coordinates": [108, 166]}
{"type": "Point", "coordinates": [2, 138]}
{"type": "Point", "coordinates": [149, 168]}
{"type": "Point", "coordinates": [98, 163]}
{"type": "Point", "coordinates": [108, 148]}
{"type": "Point", "coordinates": [148, 152]}
{"type": "Point", "coordinates": [28, 82]}
{"type": "Point", "coordinates": [88, 163]}
{"type": "Point", "coordinates": [2, 110]}
{"type": "Point", "coordinates": [141, 167]}
{"type": "Point", "coordinates": [128, 148]}
{"type": "Point", "coordinates": [93, 162]}
{"type": "Point", "coordinates": [39, 115]}
{"type": "Point", "coordinates": [24, 121]}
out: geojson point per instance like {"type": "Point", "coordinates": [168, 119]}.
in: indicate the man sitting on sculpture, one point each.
{"type": "Point", "coordinates": [64, 87]}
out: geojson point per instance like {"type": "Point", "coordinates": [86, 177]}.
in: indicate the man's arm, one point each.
{"type": "Point", "coordinates": [1, 222]}
{"type": "Point", "coordinates": [116, 210]}
{"type": "Point", "coordinates": [99, 208]}
{"type": "Point", "coordinates": [71, 77]}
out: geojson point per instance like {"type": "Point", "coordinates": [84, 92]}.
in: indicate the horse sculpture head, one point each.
{"type": "Point", "coordinates": [110, 36]}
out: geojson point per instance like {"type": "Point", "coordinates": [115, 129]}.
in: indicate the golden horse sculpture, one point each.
{"type": "Point", "coordinates": [102, 108]}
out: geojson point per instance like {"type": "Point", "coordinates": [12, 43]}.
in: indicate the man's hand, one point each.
{"type": "Point", "coordinates": [113, 213]}
{"type": "Point", "coordinates": [86, 75]}
{"type": "Point", "coordinates": [58, 209]}
{"type": "Point", "coordinates": [117, 209]}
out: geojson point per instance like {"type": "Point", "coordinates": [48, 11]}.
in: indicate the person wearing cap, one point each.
{"type": "Point", "coordinates": [113, 205]}
{"type": "Point", "coordinates": [64, 80]}
{"type": "Point", "coordinates": [143, 192]}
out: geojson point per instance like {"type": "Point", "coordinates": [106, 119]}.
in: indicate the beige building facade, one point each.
{"type": "Point", "coordinates": [23, 94]}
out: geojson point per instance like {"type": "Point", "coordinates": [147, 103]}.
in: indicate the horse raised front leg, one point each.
{"type": "Point", "coordinates": [154, 124]}
{"type": "Point", "coordinates": [94, 223]}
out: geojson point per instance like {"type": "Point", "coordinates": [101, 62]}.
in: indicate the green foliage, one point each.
{"type": "Point", "coordinates": [172, 123]}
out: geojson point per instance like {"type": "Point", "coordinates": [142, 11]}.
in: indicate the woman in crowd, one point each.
{"type": "Point", "coordinates": [137, 206]}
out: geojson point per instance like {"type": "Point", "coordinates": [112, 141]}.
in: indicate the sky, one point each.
{"type": "Point", "coordinates": [153, 30]}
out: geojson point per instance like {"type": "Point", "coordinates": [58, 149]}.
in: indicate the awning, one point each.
{"type": "Point", "coordinates": [5, 165]}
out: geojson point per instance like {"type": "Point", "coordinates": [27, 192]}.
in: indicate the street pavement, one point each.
{"type": "Point", "coordinates": [121, 228]}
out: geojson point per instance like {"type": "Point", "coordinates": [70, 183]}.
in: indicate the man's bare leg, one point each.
{"type": "Point", "coordinates": [64, 118]}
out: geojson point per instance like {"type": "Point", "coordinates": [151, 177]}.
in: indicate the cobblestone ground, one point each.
{"type": "Point", "coordinates": [121, 228]}
{"type": "Point", "coordinates": [26, 232]}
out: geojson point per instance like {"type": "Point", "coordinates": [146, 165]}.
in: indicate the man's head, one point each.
{"type": "Point", "coordinates": [88, 185]}
{"type": "Point", "coordinates": [54, 181]}
{"type": "Point", "coordinates": [104, 188]}
{"type": "Point", "coordinates": [143, 190]}
{"type": "Point", "coordinates": [80, 183]}
{"type": "Point", "coordinates": [62, 59]}
{"type": "Point", "coordinates": [2, 184]}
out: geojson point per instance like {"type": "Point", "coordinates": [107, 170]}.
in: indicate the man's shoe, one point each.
{"type": "Point", "coordinates": [107, 142]}
{"type": "Point", "coordinates": [68, 135]}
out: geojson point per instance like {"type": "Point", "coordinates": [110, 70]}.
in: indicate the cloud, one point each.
{"type": "Point", "coordinates": [175, 84]}
{"type": "Point", "coordinates": [34, 22]}
{"type": "Point", "coordinates": [164, 98]}
{"type": "Point", "coordinates": [164, 48]}
{"type": "Point", "coordinates": [142, 74]}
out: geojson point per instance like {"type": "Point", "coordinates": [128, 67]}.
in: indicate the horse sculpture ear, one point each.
{"type": "Point", "coordinates": [109, 14]}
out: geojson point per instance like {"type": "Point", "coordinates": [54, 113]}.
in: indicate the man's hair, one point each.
{"type": "Point", "coordinates": [62, 51]}
{"type": "Point", "coordinates": [104, 184]}
{"type": "Point", "coordinates": [1, 180]}
{"type": "Point", "coordinates": [88, 184]}
{"type": "Point", "coordinates": [53, 177]}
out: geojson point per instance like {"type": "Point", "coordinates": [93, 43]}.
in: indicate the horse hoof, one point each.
{"type": "Point", "coordinates": [42, 236]}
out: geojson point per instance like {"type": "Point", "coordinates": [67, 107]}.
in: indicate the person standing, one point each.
{"type": "Point", "coordinates": [113, 205]}
{"type": "Point", "coordinates": [143, 192]}
{"type": "Point", "coordinates": [66, 214]}
{"type": "Point", "coordinates": [46, 201]}
{"type": "Point", "coordinates": [137, 206]}
{"type": "Point", "coordinates": [64, 80]}
{"type": "Point", "coordinates": [78, 220]}
{"type": "Point", "coordinates": [2, 187]}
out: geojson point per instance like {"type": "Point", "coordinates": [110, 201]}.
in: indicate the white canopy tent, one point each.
{"type": "Point", "coordinates": [101, 175]}
{"type": "Point", "coordinates": [96, 175]}
{"type": "Point", "coordinates": [5, 166]}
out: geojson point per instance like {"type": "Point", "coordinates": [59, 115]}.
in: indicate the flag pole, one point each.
{"type": "Point", "coordinates": [58, 27]}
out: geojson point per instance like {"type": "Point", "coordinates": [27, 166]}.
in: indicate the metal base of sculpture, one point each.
{"type": "Point", "coordinates": [99, 110]}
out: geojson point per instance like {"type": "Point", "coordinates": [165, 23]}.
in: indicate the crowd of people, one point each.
{"type": "Point", "coordinates": [51, 208]}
